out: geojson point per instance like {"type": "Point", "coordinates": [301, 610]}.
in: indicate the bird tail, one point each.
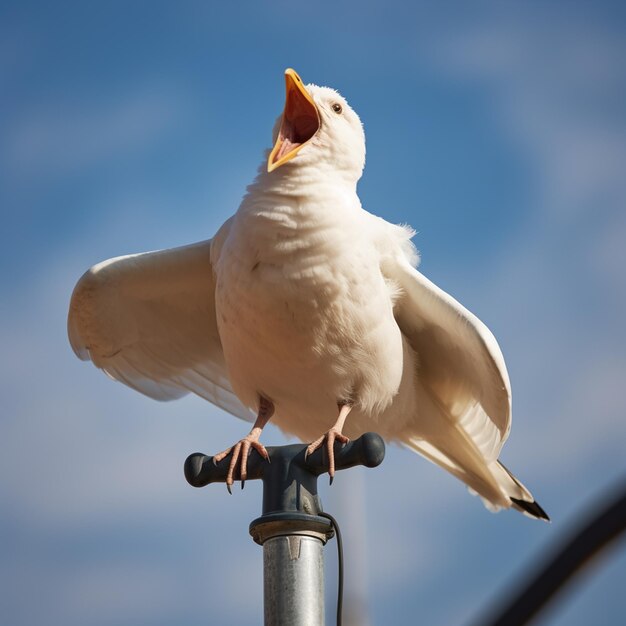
{"type": "Point", "coordinates": [444, 441]}
{"type": "Point", "coordinates": [446, 444]}
{"type": "Point", "coordinates": [493, 482]}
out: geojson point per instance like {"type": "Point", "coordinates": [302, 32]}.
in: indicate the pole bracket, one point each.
{"type": "Point", "coordinates": [290, 496]}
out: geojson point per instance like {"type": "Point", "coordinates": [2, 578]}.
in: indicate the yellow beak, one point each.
{"type": "Point", "coordinates": [300, 122]}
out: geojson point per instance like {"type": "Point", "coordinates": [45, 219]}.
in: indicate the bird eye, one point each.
{"type": "Point", "coordinates": [337, 108]}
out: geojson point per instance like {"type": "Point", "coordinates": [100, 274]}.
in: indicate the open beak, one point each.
{"type": "Point", "coordinates": [300, 122]}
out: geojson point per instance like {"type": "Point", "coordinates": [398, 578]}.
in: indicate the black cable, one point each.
{"type": "Point", "coordinates": [595, 535]}
{"type": "Point", "coordinates": [333, 521]}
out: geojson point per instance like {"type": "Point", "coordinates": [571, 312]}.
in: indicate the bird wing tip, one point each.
{"type": "Point", "coordinates": [532, 509]}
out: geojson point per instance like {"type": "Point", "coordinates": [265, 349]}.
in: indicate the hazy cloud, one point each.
{"type": "Point", "coordinates": [63, 136]}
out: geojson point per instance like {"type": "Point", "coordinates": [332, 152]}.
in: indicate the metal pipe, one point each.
{"type": "Point", "coordinates": [293, 568]}
{"type": "Point", "coordinates": [293, 529]}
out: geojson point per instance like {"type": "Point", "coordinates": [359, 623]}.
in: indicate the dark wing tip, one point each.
{"type": "Point", "coordinates": [532, 508]}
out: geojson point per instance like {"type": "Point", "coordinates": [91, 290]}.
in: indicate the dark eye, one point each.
{"type": "Point", "coordinates": [337, 108]}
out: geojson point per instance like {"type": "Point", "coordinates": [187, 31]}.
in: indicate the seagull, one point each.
{"type": "Point", "coordinates": [307, 310]}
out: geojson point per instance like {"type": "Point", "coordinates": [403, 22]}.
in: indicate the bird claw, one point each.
{"type": "Point", "coordinates": [240, 452]}
{"type": "Point", "coordinates": [330, 437]}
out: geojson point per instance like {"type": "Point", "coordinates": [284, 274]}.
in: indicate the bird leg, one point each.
{"type": "Point", "coordinates": [330, 437]}
{"type": "Point", "coordinates": [242, 448]}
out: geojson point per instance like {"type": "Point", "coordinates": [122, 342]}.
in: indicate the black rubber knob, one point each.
{"type": "Point", "coordinates": [367, 450]}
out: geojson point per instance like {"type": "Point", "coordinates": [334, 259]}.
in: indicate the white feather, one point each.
{"type": "Point", "coordinates": [305, 298]}
{"type": "Point", "coordinates": [148, 320]}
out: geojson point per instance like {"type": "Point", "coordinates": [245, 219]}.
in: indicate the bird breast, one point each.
{"type": "Point", "coordinates": [306, 317]}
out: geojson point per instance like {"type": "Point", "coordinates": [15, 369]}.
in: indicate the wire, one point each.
{"type": "Point", "coordinates": [333, 521]}
{"type": "Point", "coordinates": [605, 526]}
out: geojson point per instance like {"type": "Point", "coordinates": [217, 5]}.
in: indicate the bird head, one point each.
{"type": "Point", "coordinates": [318, 127]}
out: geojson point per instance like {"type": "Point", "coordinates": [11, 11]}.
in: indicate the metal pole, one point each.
{"type": "Point", "coordinates": [293, 569]}
{"type": "Point", "coordinates": [293, 566]}
{"type": "Point", "coordinates": [291, 529]}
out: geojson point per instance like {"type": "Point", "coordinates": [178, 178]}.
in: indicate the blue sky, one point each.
{"type": "Point", "coordinates": [496, 129]}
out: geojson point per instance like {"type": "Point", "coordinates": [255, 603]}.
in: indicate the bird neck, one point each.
{"type": "Point", "coordinates": [302, 206]}
{"type": "Point", "coordinates": [304, 177]}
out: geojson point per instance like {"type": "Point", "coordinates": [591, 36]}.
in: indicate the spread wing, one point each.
{"type": "Point", "coordinates": [459, 361]}
{"type": "Point", "coordinates": [148, 320]}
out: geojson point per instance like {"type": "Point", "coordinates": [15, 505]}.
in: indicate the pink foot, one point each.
{"type": "Point", "coordinates": [242, 448]}
{"type": "Point", "coordinates": [240, 454]}
{"type": "Point", "coordinates": [330, 437]}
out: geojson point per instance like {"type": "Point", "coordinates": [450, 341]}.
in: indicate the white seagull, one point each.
{"type": "Point", "coordinates": [308, 310]}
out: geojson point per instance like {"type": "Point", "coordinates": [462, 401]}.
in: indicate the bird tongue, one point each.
{"type": "Point", "coordinates": [286, 147]}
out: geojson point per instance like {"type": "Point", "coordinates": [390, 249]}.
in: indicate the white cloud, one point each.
{"type": "Point", "coordinates": [65, 136]}
{"type": "Point", "coordinates": [556, 86]}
